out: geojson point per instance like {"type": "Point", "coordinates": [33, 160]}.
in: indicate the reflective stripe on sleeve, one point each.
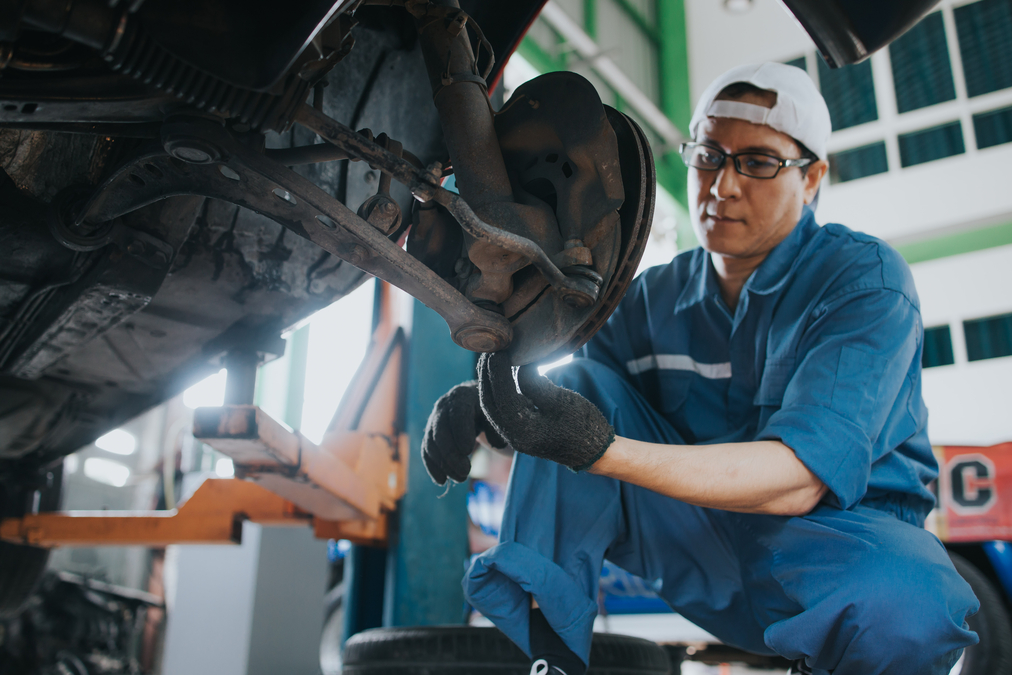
{"type": "Point", "coordinates": [711, 371]}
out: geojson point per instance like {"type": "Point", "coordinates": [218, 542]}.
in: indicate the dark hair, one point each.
{"type": "Point", "coordinates": [738, 90]}
{"type": "Point", "coordinates": [742, 89]}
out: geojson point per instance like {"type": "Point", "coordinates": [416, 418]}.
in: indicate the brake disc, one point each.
{"type": "Point", "coordinates": [592, 165]}
{"type": "Point", "coordinates": [588, 171]}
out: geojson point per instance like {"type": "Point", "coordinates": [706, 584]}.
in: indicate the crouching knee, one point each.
{"type": "Point", "coordinates": [903, 627]}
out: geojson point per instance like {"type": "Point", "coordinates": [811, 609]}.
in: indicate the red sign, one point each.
{"type": "Point", "coordinates": [974, 493]}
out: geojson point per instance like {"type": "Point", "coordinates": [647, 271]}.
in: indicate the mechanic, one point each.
{"type": "Point", "coordinates": [747, 432]}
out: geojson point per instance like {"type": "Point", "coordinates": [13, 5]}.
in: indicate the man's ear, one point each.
{"type": "Point", "coordinates": [813, 179]}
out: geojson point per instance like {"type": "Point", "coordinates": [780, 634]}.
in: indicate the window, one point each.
{"type": "Point", "coordinates": [799, 62]}
{"type": "Point", "coordinates": [857, 163]}
{"type": "Point", "coordinates": [922, 74]}
{"type": "Point", "coordinates": [993, 127]}
{"type": "Point", "coordinates": [937, 347]}
{"type": "Point", "coordinates": [988, 338]}
{"type": "Point", "coordinates": [985, 42]}
{"type": "Point", "coordinates": [930, 144]}
{"type": "Point", "coordinates": [849, 93]}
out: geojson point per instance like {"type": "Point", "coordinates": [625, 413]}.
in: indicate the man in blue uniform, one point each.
{"type": "Point", "coordinates": [747, 431]}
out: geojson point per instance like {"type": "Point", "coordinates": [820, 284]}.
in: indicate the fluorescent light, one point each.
{"type": "Point", "coordinates": [224, 468]}
{"type": "Point", "coordinates": [208, 393]}
{"type": "Point", "coordinates": [106, 471]}
{"type": "Point", "coordinates": [118, 442]}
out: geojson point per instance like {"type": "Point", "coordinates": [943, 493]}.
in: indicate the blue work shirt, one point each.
{"type": "Point", "coordinates": [822, 352]}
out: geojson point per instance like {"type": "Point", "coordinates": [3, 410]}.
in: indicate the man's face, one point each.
{"type": "Point", "coordinates": [741, 217]}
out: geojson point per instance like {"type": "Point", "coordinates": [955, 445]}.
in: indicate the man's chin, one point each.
{"type": "Point", "coordinates": [724, 244]}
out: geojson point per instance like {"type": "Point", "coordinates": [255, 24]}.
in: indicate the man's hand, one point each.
{"type": "Point", "coordinates": [450, 434]}
{"type": "Point", "coordinates": [543, 420]}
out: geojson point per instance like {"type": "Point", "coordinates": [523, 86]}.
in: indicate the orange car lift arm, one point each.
{"type": "Point", "coordinates": [344, 487]}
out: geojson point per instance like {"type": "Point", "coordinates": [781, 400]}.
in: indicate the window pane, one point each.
{"type": "Point", "coordinates": [921, 70]}
{"type": "Point", "coordinates": [985, 41]}
{"type": "Point", "coordinates": [937, 347]}
{"type": "Point", "coordinates": [857, 163]}
{"type": "Point", "coordinates": [799, 62]}
{"type": "Point", "coordinates": [931, 144]}
{"type": "Point", "coordinates": [849, 93]}
{"type": "Point", "coordinates": [993, 128]}
{"type": "Point", "coordinates": [988, 338]}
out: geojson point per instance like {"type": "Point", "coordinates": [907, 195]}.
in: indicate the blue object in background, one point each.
{"type": "Point", "coordinates": [485, 504]}
{"type": "Point", "coordinates": [1000, 555]}
{"type": "Point", "coordinates": [626, 593]}
{"type": "Point", "coordinates": [337, 549]}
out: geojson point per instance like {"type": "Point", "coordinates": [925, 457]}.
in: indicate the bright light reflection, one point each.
{"type": "Point", "coordinates": [117, 441]}
{"type": "Point", "coordinates": [548, 366]}
{"type": "Point", "coordinates": [338, 338]}
{"type": "Point", "coordinates": [106, 471]}
{"type": "Point", "coordinates": [71, 463]}
{"type": "Point", "coordinates": [224, 468]}
{"type": "Point", "coordinates": [209, 392]}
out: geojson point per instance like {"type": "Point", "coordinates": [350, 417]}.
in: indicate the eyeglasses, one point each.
{"type": "Point", "coordinates": [751, 164]}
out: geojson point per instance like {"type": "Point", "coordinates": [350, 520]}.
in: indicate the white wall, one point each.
{"type": "Point", "coordinates": [969, 403]}
{"type": "Point", "coordinates": [719, 40]}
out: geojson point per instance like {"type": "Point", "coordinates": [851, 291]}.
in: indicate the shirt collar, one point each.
{"type": "Point", "coordinates": [703, 282]}
{"type": "Point", "coordinates": [778, 266]}
{"type": "Point", "coordinates": [771, 274]}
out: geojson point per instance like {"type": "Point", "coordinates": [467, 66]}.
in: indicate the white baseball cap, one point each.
{"type": "Point", "coordinates": [800, 111]}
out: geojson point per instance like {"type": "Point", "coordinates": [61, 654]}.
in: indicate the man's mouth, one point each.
{"type": "Point", "coordinates": [721, 219]}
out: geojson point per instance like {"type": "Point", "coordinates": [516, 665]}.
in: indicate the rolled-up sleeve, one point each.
{"type": "Point", "coordinates": [856, 360]}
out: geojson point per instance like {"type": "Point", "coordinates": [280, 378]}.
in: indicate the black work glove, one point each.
{"type": "Point", "coordinates": [450, 434]}
{"type": "Point", "coordinates": [545, 420]}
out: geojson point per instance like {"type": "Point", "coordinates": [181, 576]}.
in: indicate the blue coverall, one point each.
{"type": "Point", "coordinates": [823, 352]}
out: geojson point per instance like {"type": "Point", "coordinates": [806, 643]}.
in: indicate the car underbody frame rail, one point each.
{"type": "Point", "coordinates": [202, 157]}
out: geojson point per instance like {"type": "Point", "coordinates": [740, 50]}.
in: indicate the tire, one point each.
{"type": "Point", "coordinates": [993, 654]}
{"type": "Point", "coordinates": [21, 567]}
{"type": "Point", "coordinates": [467, 650]}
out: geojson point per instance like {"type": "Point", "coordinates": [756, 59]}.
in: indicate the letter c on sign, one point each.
{"type": "Point", "coordinates": [971, 478]}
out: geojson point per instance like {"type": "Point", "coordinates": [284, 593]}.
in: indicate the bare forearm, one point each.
{"type": "Point", "coordinates": [756, 477]}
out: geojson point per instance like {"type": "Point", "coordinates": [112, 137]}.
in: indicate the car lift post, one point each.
{"type": "Point", "coordinates": [344, 488]}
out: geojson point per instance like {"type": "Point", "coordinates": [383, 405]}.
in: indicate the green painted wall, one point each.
{"type": "Point", "coordinates": [957, 243]}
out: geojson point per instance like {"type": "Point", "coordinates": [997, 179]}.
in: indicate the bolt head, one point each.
{"type": "Point", "coordinates": [482, 338]}
{"type": "Point", "coordinates": [192, 150]}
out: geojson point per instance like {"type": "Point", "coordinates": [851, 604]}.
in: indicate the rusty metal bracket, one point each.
{"type": "Point", "coordinates": [200, 157]}
{"type": "Point", "coordinates": [425, 186]}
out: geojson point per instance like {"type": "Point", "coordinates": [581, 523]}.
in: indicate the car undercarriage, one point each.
{"type": "Point", "coordinates": [184, 180]}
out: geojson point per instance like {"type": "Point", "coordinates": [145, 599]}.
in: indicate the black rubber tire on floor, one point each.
{"type": "Point", "coordinates": [993, 654]}
{"type": "Point", "coordinates": [467, 650]}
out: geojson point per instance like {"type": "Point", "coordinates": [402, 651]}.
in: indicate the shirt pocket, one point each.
{"type": "Point", "coordinates": [674, 389]}
{"type": "Point", "coordinates": [776, 376]}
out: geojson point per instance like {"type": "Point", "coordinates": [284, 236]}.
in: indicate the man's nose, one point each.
{"type": "Point", "coordinates": [726, 184]}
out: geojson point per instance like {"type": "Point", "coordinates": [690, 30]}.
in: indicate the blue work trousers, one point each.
{"type": "Point", "coordinates": [857, 592]}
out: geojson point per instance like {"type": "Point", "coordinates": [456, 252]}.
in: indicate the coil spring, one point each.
{"type": "Point", "coordinates": [141, 58]}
